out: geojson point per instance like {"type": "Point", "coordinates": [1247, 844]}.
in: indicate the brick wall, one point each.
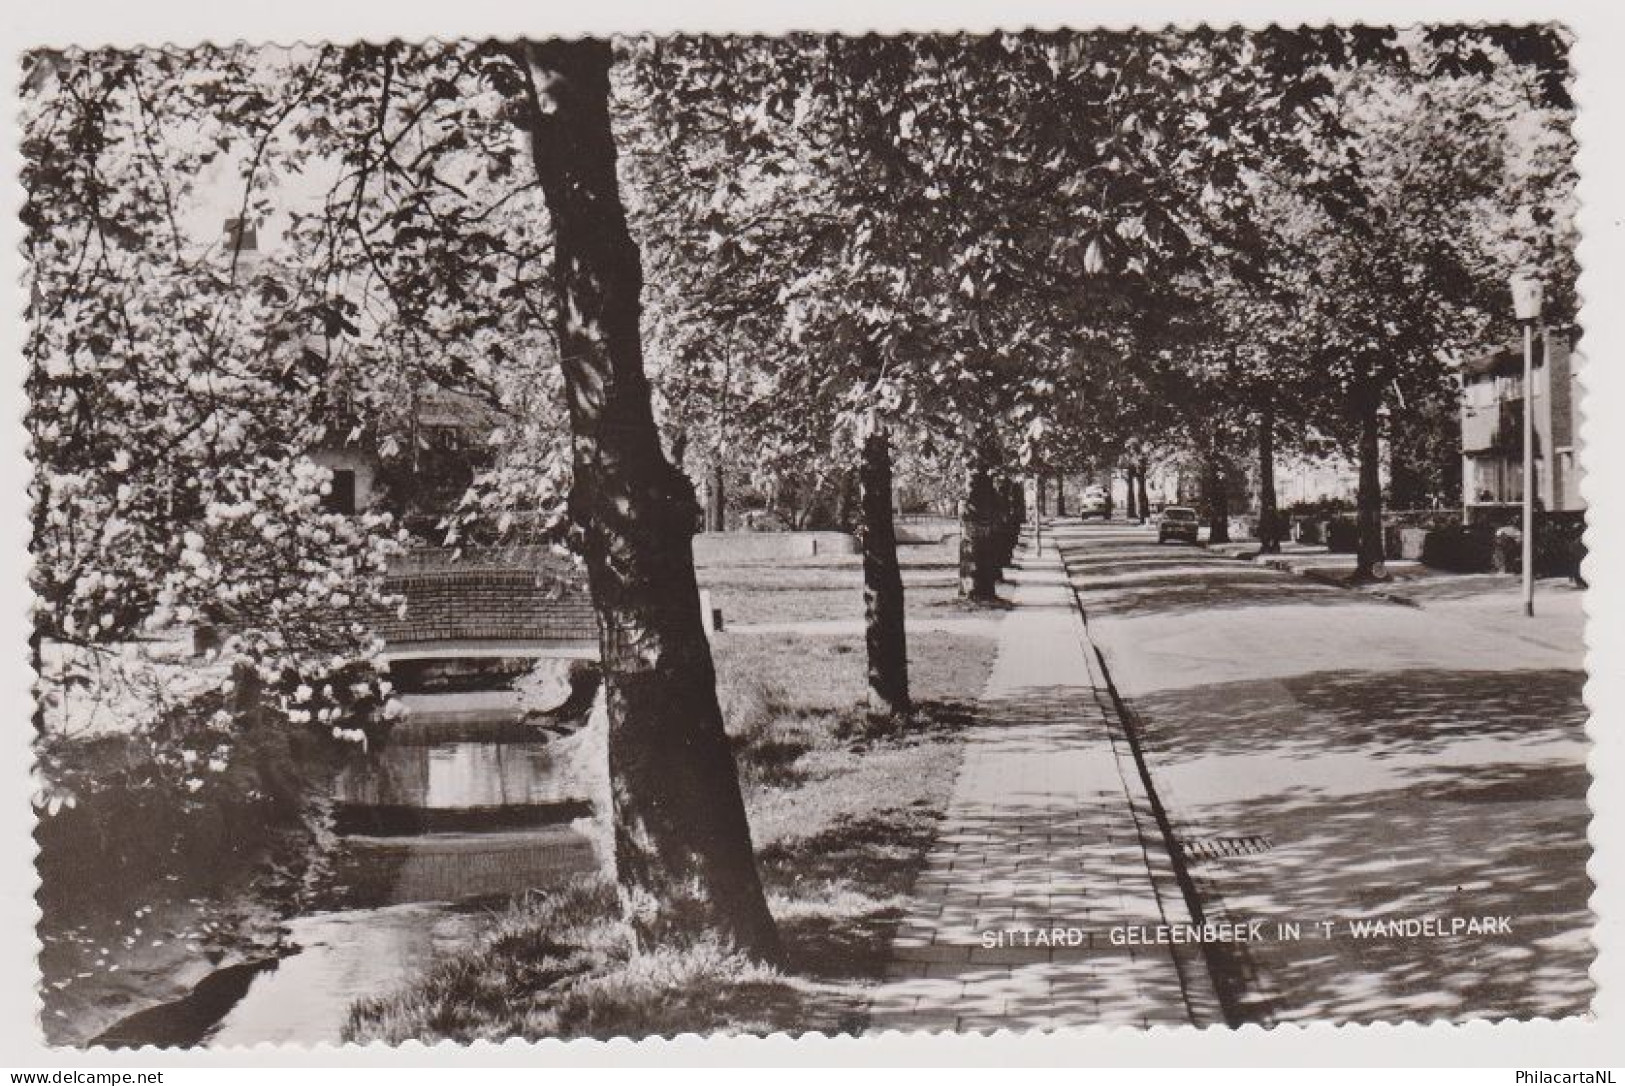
{"type": "Point", "coordinates": [497, 596]}
{"type": "Point", "coordinates": [1564, 488]}
{"type": "Point", "coordinates": [1562, 389]}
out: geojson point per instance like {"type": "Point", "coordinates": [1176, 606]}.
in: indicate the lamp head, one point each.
{"type": "Point", "coordinates": [1527, 294]}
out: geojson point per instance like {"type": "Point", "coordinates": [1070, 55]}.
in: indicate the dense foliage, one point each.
{"type": "Point", "coordinates": [937, 255]}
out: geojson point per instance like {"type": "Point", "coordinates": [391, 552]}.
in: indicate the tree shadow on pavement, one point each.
{"type": "Point", "coordinates": [1379, 714]}
{"type": "Point", "coordinates": [1409, 794]}
{"type": "Point", "coordinates": [1510, 843]}
{"type": "Point", "coordinates": [1227, 587]}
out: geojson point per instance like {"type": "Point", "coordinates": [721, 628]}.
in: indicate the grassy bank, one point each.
{"type": "Point", "coordinates": [841, 821]}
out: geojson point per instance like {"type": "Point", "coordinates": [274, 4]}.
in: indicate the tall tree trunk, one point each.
{"type": "Point", "coordinates": [1013, 514]}
{"type": "Point", "coordinates": [1060, 494]}
{"type": "Point", "coordinates": [1042, 493]}
{"type": "Point", "coordinates": [1269, 536]}
{"type": "Point", "coordinates": [884, 632]}
{"type": "Point", "coordinates": [716, 497]}
{"type": "Point", "coordinates": [1368, 564]}
{"type": "Point", "coordinates": [1003, 546]}
{"type": "Point", "coordinates": [1133, 498]}
{"type": "Point", "coordinates": [1145, 498]}
{"type": "Point", "coordinates": [1218, 499]}
{"type": "Point", "coordinates": [683, 854]}
{"type": "Point", "coordinates": [980, 525]}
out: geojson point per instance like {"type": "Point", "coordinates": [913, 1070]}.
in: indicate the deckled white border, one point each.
{"type": "Point", "coordinates": [1600, 59]}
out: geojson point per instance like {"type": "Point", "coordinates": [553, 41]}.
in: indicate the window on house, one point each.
{"type": "Point", "coordinates": [341, 499]}
{"type": "Point", "coordinates": [1492, 479]}
{"type": "Point", "coordinates": [1512, 487]}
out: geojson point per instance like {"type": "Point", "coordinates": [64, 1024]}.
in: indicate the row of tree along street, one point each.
{"type": "Point", "coordinates": [927, 257]}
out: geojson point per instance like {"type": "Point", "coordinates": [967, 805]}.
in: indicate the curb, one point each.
{"type": "Point", "coordinates": [1224, 986]}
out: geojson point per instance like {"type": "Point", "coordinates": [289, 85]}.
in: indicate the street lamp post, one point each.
{"type": "Point", "coordinates": [1526, 304]}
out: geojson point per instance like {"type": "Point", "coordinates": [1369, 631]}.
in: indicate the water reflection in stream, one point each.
{"type": "Point", "coordinates": [416, 788]}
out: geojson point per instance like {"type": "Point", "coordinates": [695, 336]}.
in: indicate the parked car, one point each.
{"type": "Point", "coordinates": [1177, 522]}
{"type": "Point", "coordinates": [1095, 504]}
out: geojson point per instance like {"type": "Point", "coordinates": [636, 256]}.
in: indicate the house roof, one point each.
{"type": "Point", "coordinates": [1507, 358]}
{"type": "Point", "coordinates": [441, 407]}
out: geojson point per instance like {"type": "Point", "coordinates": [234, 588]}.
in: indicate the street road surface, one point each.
{"type": "Point", "coordinates": [1326, 756]}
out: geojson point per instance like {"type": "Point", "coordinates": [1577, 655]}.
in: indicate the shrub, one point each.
{"type": "Point", "coordinates": [1559, 546]}
{"type": "Point", "coordinates": [1318, 509]}
{"type": "Point", "coordinates": [1459, 549]}
{"type": "Point", "coordinates": [1342, 536]}
{"type": "Point", "coordinates": [1282, 521]}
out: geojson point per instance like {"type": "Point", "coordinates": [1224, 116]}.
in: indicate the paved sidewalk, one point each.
{"type": "Point", "coordinates": [1048, 828]}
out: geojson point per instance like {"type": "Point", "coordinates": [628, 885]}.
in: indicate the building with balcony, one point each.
{"type": "Point", "coordinates": [1492, 405]}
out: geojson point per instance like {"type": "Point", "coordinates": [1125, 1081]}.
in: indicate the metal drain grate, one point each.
{"type": "Point", "coordinates": [1209, 849]}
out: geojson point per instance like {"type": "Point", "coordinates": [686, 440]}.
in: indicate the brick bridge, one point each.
{"type": "Point", "coordinates": [482, 603]}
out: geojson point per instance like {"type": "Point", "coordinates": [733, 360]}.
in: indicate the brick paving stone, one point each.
{"type": "Point", "coordinates": [1044, 830]}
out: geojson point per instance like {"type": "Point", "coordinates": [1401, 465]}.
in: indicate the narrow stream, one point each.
{"type": "Point", "coordinates": [438, 828]}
